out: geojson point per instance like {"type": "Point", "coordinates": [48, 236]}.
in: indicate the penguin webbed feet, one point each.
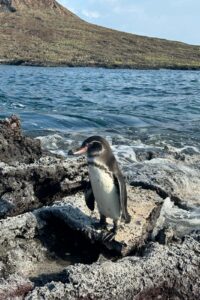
{"type": "Point", "coordinates": [109, 236]}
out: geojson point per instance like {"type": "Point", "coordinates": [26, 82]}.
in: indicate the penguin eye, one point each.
{"type": "Point", "coordinates": [96, 146]}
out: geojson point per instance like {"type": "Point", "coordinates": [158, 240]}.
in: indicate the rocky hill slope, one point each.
{"type": "Point", "coordinates": [42, 32]}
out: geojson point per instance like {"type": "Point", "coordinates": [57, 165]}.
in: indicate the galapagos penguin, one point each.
{"type": "Point", "coordinates": [107, 185]}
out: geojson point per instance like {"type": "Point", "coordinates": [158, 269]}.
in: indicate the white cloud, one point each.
{"type": "Point", "coordinates": [90, 14]}
{"type": "Point", "coordinates": [129, 9]}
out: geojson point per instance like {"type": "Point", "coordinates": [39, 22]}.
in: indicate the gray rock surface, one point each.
{"type": "Point", "coordinates": [14, 287]}
{"type": "Point", "coordinates": [28, 249]}
{"type": "Point", "coordinates": [24, 187]}
{"type": "Point", "coordinates": [32, 239]}
{"type": "Point", "coordinates": [163, 272]}
{"type": "Point", "coordinates": [170, 178]}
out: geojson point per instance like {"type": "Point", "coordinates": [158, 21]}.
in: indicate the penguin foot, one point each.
{"type": "Point", "coordinates": [109, 236]}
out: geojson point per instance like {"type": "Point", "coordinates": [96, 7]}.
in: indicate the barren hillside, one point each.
{"type": "Point", "coordinates": [42, 32]}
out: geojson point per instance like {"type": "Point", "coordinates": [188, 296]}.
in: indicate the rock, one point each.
{"type": "Point", "coordinates": [32, 240]}
{"type": "Point", "coordinates": [170, 178]}
{"type": "Point", "coordinates": [149, 153]}
{"type": "Point", "coordinates": [24, 187]}
{"type": "Point", "coordinates": [15, 287]}
{"type": "Point", "coordinates": [31, 177]}
{"type": "Point", "coordinates": [46, 226]}
{"type": "Point", "coordinates": [174, 222]}
{"type": "Point", "coordinates": [163, 272]}
{"type": "Point", "coordinates": [33, 244]}
{"type": "Point", "coordinates": [30, 246]}
{"type": "Point", "coordinates": [143, 205]}
{"type": "Point", "coordinates": [14, 147]}
{"type": "Point", "coordinates": [19, 250]}
{"type": "Point", "coordinates": [39, 244]}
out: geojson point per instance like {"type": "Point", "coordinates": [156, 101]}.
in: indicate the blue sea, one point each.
{"type": "Point", "coordinates": [147, 107]}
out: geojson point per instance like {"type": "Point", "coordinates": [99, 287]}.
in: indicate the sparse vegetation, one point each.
{"type": "Point", "coordinates": [45, 33]}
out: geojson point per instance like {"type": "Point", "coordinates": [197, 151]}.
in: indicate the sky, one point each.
{"type": "Point", "coordinates": [169, 19]}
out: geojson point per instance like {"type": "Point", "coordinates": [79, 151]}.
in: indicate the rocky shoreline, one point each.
{"type": "Point", "coordinates": [29, 63]}
{"type": "Point", "coordinates": [50, 248]}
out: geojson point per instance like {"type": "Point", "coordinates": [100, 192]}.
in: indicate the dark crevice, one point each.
{"type": "Point", "coordinates": [163, 194]}
{"type": "Point", "coordinates": [61, 242]}
{"type": "Point", "coordinates": [179, 203]}
{"type": "Point", "coordinates": [47, 190]}
{"type": "Point", "coordinates": [151, 187]}
{"type": "Point", "coordinates": [7, 190]}
{"type": "Point", "coordinates": [60, 239]}
{"type": "Point", "coordinates": [43, 279]}
{"type": "Point", "coordinates": [65, 246]}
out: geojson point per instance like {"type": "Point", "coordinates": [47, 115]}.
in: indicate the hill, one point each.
{"type": "Point", "coordinates": [42, 32]}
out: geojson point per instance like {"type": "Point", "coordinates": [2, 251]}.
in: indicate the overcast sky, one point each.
{"type": "Point", "coordinates": [171, 19]}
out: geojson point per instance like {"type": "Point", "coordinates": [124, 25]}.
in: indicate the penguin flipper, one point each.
{"type": "Point", "coordinates": [89, 197]}
{"type": "Point", "coordinates": [123, 197]}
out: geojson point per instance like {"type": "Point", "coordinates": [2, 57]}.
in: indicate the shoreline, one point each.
{"type": "Point", "coordinates": [94, 65]}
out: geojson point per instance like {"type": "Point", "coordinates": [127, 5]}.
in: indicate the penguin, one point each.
{"type": "Point", "coordinates": [107, 186]}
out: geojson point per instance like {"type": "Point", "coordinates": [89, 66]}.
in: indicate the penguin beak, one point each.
{"type": "Point", "coordinates": [80, 151]}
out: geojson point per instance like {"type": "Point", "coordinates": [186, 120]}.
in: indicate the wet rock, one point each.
{"type": "Point", "coordinates": [163, 272]}
{"type": "Point", "coordinates": [30, 177]}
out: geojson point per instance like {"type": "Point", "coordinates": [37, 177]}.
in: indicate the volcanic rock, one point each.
{"type": "Point", "coordinates": [46, 226]}
{"type": "Point", "coordinates": [163, 272]}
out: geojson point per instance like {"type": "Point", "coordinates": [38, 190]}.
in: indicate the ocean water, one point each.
{"type": "Point", "coordinates": [131, 106]}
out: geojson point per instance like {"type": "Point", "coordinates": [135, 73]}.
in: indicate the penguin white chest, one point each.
{"type": "Point", "coordinates": [105, 192]}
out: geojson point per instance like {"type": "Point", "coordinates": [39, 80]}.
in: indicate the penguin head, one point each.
{"type": "Point", "coordinates": [93, 146]}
